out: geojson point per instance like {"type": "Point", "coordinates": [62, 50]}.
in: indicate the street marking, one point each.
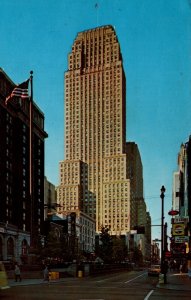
{"type": "Point", "coordinates": [105, 279]}
{"type": "Point", "coordinates": [148, 295]}
{"type": "Point", "coordinates": [135, 278]}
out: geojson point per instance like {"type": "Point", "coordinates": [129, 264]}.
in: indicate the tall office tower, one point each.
{"type": "Point", "coordinates": [93, 176]}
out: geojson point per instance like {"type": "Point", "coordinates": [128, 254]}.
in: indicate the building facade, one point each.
{"type": "Point", "coordinates": [79, 228]}
{"type": "Point", "coordinates": [176, 191]}
{"type": "Point", "coordinates": [135, 173]}
{"type": "Point", "coordinates": [49, 198]}
{"type": "Point", "coordinates": [139, 217]}
{"type": "Point", "coordinates": [93, 176]}
{"type": "Point", "coordinates": [19, 215]}
{"type": "Point", "coordinates": [181, 202]}
{"type": "Point", "coordinates": [148, 238]}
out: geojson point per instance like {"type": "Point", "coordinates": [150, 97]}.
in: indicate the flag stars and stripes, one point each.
{"type": "Point", "coordinates": [20, 91]}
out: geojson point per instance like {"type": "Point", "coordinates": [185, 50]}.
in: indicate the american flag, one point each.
{"type": "Point", "coordinates": [20, 91]}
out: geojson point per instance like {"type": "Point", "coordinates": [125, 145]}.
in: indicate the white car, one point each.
{"type": "Point", "coordinates": [154, 270]}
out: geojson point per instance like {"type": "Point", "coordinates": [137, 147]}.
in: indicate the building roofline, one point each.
{"type": "Point", "coordinates": [7, 77]}
{"type": "Point", "coordinates": [97, 28]}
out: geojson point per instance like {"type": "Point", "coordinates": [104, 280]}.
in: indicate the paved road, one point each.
{"type": "Point", "coordinates": [123, 286]}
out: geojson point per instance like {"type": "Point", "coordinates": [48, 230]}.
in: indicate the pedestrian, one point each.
{"type": "Point", "coordinates": [164, 270]}
{"type": "Point", "coordinates": [180, 269]}
{"type": "Point", "coordinates": [171, 265]}
{"type": "Point", "coordinates": [189, 268]}
{"type": "Point", "coordinates": [46, 274]}
{"type": "Point", "coordinates": [17, 273]}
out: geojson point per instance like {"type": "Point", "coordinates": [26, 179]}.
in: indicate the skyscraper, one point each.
{"type": "Point", "coordinates": [93, 176]}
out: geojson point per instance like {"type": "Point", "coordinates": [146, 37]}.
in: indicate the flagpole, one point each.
{"type": "Point", "coordinates": [31, 161]}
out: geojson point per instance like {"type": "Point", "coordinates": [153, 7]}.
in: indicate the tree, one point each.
{"type": "Point", "coordinates": [52, 246]}
{"type": "Point", "coordinates": [105, 249]}
{"type": "Point", "coordinates": [137, 255]}
{"type": "Point", "coordinates": [119, 250]}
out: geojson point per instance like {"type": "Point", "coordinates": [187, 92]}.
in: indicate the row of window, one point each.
{"type": "Point", "coordinates": [103, 80]}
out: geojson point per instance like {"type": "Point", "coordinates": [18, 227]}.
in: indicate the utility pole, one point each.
{"type": "Point", "coordinates": [163, 268]}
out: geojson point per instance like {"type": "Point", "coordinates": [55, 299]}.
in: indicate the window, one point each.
{"type": "Point", "coordinates": [10, 247]}
{"type": "Point", "coordinates": [24, 247]}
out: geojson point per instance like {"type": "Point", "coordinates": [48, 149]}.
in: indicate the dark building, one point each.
{"type": "Point", "coordinates": [180, 244]}
{"type": "Point", "coordinates": [189, 184]}
{"type": "Point", "coordinates": [21, 212]}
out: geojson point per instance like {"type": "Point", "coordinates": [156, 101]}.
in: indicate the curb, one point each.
{"type": "Point", "coordinates": [175, 287]}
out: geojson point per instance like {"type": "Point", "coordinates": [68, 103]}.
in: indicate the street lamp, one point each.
{"type": "Point", "coordinates": [162, 232]}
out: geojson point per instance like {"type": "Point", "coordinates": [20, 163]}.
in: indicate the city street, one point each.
{"type": "Point", "coordinates": [135, 285]}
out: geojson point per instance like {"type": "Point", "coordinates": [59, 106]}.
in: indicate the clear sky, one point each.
{"type": "Point", "coordinates": [155, 39]}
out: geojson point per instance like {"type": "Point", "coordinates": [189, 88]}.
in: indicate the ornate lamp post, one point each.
{"type": "Point", "coordinates": [162, 231]}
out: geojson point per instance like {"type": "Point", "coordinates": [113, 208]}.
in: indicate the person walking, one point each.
{"type": "Point", "coordinates": [17, 273]}
{"type": "Point", "coordinates": [165, 270]}
{"type": "Point", "coordinates": [46, 274]}
{"type": "Point", "coordinates": [181, 268]}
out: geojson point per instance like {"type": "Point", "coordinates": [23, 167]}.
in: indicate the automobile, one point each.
{"type": "Point", "coordinates": [154, 270]}
{"type": "Point", "coordinates": [3, 277]}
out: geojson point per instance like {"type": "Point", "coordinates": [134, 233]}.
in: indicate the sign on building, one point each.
{"type": "Point", "coordinates": [178, 229]}
{"type": "Point", "coordinates": [181, 239]}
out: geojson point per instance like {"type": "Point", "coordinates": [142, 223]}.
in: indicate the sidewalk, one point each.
{"type": "Point", "coordinates": [176, 281]}
{"type": "Point", "coordinates": [24, 282]}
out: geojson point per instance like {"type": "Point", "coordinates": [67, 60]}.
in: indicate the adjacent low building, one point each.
{"type": "Point", "coordinates": [21, 218]}
{"type": "Point", "coordinates": [78, 227]}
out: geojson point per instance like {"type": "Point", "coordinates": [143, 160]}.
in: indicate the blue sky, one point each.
{"type": "Point", "coordinates": [155, 39]}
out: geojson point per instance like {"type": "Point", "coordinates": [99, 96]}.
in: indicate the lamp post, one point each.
{"type": "Point", "coordinates": [163, 271]}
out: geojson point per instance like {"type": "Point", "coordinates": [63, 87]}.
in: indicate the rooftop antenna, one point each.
{"type": "Point", "coordinates": [96, 7]}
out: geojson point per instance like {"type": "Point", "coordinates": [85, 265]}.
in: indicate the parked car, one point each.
{"type": "Point", "coordinates": [154, 270]}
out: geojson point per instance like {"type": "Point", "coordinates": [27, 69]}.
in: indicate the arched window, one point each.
{"type": "Point", "coordinates": [10, 246]}
{"type": "Point", "coordinates": [24, 247]}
